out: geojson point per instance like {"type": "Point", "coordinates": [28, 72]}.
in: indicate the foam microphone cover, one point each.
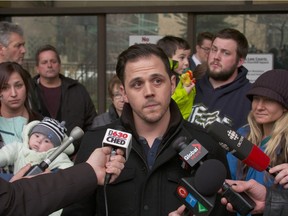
{"type": "Point", "coordinates": [180, 144]}
{"type": "Point", "coordinates": [209, 177]}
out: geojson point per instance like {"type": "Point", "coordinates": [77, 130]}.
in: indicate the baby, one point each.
{"type": "Point", "coordinates": [40, 139]}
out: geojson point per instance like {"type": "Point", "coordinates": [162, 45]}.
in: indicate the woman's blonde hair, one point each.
{"type": "Point", "coordinates": [277, 146]}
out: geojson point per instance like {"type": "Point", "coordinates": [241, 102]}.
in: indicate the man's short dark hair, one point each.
{"type": "Point", "coordinates": [204, 36]}
{"type": "Point", "coordinates": [137, 51]}
{"type": "Point", "coordinates": [44, 48]}
{"type": "Point", "coordinates": [169, 44]}
{"type": "Point", "coordinates": [238, 37]}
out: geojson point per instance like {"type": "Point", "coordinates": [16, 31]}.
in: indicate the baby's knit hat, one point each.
{"type": "Point", "coordinates": [50, 127]}
{"type": "Point", "coordinates": [273, 85]}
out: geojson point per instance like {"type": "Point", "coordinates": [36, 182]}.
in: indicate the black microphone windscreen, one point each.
{"type": "Point", "coordinates": [180, 143]}
{"type": "Point", "coordinates": [209, 177]}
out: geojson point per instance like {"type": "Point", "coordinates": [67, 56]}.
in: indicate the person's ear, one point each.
{"type": "Point", "coordinates": [123, 93]}
{"type": "Point", "coordinates": [241, 62]}
{"type": "Point", "coordinates": [2, 49]}
{"type": "Point", "coordinates": [36, 69]}
{"type": "Point", "coordinates": [173, 84]}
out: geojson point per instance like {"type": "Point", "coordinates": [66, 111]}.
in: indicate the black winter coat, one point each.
{"type": "Point", "coordinates": [139, 191]}
{"type": "Point", "coordinates": [276, 202]}
{"type": "Point", "coordinates": [76, 107]}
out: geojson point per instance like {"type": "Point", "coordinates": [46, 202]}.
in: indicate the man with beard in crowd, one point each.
{"type": "Point", "coordinates": [221, 93]}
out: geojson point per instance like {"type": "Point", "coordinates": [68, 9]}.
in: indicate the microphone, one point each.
{"type": "Point", "coordinates": [192, 153]}
{"type": "Point", "coordinates": [197, 197]}
{"type": "Point", "coordinates": [241, 202]}
{"type": "Point", "coordinates": [75, 134]}
{"type": "Point", "coordinates": [117, 139]}
{"type": "Point", "coordinates": [199, 193]}
{"type": "Point", "coordinates": [239, 146]}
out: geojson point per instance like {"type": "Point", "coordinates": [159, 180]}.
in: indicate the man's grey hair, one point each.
{"type": "Point", "coordinates": [6, 28]}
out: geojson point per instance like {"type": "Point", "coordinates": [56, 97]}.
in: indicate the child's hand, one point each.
{"type": "Point", "coordinates": [187, 78]}
{"type": "Point", "coordinates": [189, 88]}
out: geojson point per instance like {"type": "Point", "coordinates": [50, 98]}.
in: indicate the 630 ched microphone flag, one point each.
{"type": "Point", "coordinates": [118, 139]}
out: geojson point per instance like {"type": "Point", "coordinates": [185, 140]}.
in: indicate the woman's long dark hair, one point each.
{"type": "Point", "coordinates": [6, 69]}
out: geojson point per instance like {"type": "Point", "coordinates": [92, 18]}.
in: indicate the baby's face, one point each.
{"type": "Point", "coordinates": [40, 143]}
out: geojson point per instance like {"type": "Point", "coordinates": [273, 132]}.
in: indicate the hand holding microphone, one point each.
{"type": "Point", "coordinates": [99, 161]}
{"type": "Point", "coordinates": [198, 193]}
{"type": "Point", "coordinates": [117, 139]}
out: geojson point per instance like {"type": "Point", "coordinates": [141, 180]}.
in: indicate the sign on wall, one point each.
{"type": "Point", "coordinates": [140, 39]}
{"type": "Point", "coordinates": [257, 64]}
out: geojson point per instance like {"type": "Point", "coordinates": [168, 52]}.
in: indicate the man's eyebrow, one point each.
{"type": "Point", "coordinates": [157, 75]}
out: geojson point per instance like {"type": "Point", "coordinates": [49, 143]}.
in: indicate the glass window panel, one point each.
{"type": "Point", "coordinates": [266, 33]}
{"type": "Point", "coordinates": [75, 38]}
{"type": "Point", "coordinates": [121, 26]}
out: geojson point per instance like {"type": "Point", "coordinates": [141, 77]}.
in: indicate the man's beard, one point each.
{"type": "Point", "coordinates": [223, 75]}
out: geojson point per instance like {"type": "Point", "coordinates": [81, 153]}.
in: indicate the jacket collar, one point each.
{"type": "Point", "coordinates": [175, 120]}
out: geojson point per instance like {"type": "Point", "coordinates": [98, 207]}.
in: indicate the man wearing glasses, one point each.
{"type": "Point", "coordinates": [203, 46]}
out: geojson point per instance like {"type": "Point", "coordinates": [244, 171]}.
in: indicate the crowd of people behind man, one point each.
{"type": "Point", "coordinates": [151, 101]}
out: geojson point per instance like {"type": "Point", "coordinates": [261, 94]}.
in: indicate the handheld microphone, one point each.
{"type": "Point", "coordinates": [75, 134]}
{"type": "Point", "coordinates": [241, 202]}
{"type": "Point", "coordinates": [198, 199]}
{"type": "Point", "coordinates": [117, 139]}
{"type": "Point", "coordinates": [199, 193]}
{"type": "Point", "coordinates": [192, 153]}
{"type": "Point", "coordinates": [239, 146]}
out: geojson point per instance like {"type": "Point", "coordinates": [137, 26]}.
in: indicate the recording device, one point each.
{"type": "Point", "coordinates": [196, 193]}
{"type": "Point", "coordinates": [199, 193]}
{"type": "Point", "coordinates": [192, 153]}
{"type": "Point", "coordinates": [117, 139]}
{"type": "Point", "coordinates": [241, 202]}
{"type": "Point", "coordinates": [75, 134]}
{"type": "Point", "coordinates": [239, 146]}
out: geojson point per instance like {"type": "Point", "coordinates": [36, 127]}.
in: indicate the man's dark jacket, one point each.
{"type": "Point", "coordinates": [139, 191]}
{"type": "Point", "coordinates": [45, 194]}
{"type": "Point", "coordinates": [76, 106]}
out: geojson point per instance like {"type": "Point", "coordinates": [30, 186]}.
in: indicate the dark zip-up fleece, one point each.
{"type": "Point", "coordinates": [140, 191]}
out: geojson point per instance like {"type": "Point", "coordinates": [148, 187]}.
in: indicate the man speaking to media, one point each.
{"type": "Point", "coordinates": [148, 183]}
